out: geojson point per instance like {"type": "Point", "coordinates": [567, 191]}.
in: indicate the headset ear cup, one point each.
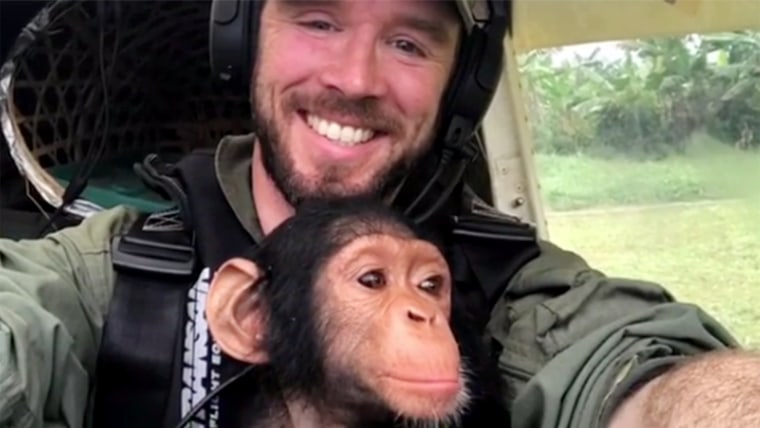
{"type": "Point", "coordinates": [233, 30]}
{"type": "Point", "coordinates": [467, 99]}
{"type": "Point", "coordinates": [251, 42]}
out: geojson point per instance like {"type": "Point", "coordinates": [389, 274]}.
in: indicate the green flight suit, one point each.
{"type": "Point", "coordinates": [574, 340]}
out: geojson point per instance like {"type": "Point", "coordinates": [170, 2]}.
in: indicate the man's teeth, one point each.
{"type": "Point", "coordinates": [347, 135]}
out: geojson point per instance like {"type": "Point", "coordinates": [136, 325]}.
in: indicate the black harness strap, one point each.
{"type": "Point", "coordinates": [140, 338]}
{"type": "Point", "coordinates": [483, 256]}
{"type": "Point", "coordinates": [219, 233]}
{"type": "Point", "coordinates": [495, 248]}
{"type": "Point", "coordinates": [157, 261]}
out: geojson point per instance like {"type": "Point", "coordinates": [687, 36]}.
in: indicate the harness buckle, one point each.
{"type": "Point", "coordinates": [152, 257]}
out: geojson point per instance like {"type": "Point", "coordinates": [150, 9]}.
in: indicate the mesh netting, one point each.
{"type": "Point", "coordinates": [119, 79]}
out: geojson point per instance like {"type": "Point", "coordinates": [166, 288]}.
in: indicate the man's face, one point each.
{"type": "Point", "coordinates": [346, 92]}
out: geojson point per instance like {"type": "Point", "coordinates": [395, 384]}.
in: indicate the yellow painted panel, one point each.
{"type": "Point", "coordinates": [550, 23]}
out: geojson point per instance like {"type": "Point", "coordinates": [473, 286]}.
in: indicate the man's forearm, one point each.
{"type": "Point", "coordinates": [719, 389]}
{"type": "Point", "coordinates": [631, 412]}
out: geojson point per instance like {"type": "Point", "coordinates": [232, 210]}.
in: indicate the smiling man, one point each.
{"type": "Point", "coordinates": [345, 95]}
{"type": "Point", "coordinates": [350, 97]}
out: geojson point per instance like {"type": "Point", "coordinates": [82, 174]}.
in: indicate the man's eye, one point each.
{"type": "Point", "coordinates": [408, 47]}
{"type": "Point", "coordinates": [319, 25]}
{"type": "Point", "coordinates": [373, 279]}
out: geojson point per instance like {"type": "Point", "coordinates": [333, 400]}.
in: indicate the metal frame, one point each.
{"type": "Point", "coordinates": [509, 144]}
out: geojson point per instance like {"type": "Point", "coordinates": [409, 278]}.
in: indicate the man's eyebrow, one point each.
{"type": "Point", "coordinates": [435, 29]}
{"type": "Point", "coordinates": [302, 3]}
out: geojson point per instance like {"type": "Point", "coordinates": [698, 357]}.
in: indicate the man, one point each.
{"type": "Point", "coordinates": [347, 98]}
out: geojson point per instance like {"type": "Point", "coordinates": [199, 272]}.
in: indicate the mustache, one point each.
{"type": "Point", "coordinates": [367, 111]}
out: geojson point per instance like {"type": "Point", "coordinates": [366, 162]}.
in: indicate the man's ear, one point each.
{"type": "Point", "coordinates": [235, 312]}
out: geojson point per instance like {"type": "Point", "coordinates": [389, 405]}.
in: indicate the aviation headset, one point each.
{"type": "Point", "coordinates": [233, 32]}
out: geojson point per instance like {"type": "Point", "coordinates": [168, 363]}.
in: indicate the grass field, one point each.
{"type": "Point", "coordinates": [708, 171]}
{"type": "Point", "coordinates": [706, 253]}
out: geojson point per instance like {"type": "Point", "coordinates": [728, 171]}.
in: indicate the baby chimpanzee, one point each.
{"type": "Point", "coordinates": [346, 312]}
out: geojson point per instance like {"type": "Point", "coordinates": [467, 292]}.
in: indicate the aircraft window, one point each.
{"type": "Point", "coordinates": [648, 155]}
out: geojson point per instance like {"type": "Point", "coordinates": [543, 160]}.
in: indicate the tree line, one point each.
{"type": "Point", "coordinates": [649, 101]}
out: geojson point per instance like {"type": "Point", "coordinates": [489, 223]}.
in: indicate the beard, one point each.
{"type": "Point", "coordinates": [296, 187]}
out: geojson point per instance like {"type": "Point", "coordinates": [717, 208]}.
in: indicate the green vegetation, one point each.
{"type": "Point", "coordinates": [708, 170]}
{"type": "Point", "coordinates": [648, 104]}
{"type": "Point", "coordinates": [708, 254]}
{"type": "Point", "coordinates": [619, 142]}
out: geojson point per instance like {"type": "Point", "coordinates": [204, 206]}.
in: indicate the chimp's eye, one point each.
{"type": "Point", "coordinates": [431, 284]}
{"type": "Point", "coordinates": [372, 279]}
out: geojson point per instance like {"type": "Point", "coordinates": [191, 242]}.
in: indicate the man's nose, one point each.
{"type": "Point", "coordinates": [357, 70]}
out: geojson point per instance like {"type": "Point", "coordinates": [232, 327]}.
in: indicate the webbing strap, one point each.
{"type": "Point", "coordinates": [137, 382]}
{"type": "Point", "coordinates": [496, 247]}
{"type": "Point", "coordinates": [217, 229]}
{"type": "Point", "coordinates": [141, 339]}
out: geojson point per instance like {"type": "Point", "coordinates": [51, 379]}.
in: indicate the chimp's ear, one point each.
{"type": "Point", "coordinates": [235, 312]}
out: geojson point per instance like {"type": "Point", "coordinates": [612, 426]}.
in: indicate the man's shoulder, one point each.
{"type": "Point", "coordinates": [562, 269]}
{"type": "Point", "coordinates": [575, 340]}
